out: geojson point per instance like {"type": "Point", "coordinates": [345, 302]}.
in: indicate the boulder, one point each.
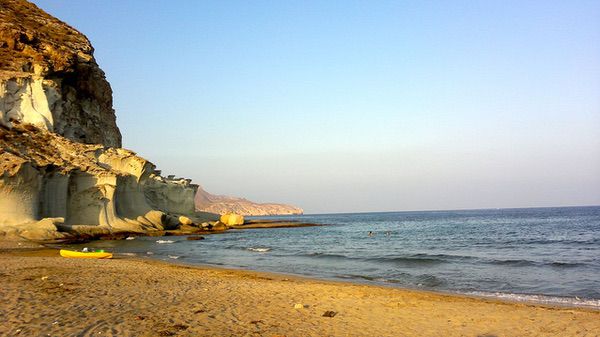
{"type": "Point", "coordinates": [219, 226]}
{"type": "Point", "coordinates": [232, 219]}
{"type": "Point", "coordinates": [171, 222]}
{"type": "Point", "coordinates": [184, 220]}
{"type": "Point", "coordinates": [188, 229]}
{"type": "Point", "coordinates": [43, 230]}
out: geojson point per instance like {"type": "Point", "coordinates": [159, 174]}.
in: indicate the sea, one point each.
{"type": "Point", "coordinates": [544, 255]}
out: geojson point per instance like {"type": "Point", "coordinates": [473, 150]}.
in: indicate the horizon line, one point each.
{"type": "Point", "coordinates": [437, 210]}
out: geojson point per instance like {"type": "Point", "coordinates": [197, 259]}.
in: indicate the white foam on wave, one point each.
{"type": "Point", "coordinates": [164, 241]}
{"type": "Point", "coordinates": [174, 257]}
{"type": "Point", "coordinates": [542, 299]}
{"type": "Point", "coordinates": [259, 249]}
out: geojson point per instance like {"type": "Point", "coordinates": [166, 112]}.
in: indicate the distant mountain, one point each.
{"type": "Point", "coordinates": [222, 204]}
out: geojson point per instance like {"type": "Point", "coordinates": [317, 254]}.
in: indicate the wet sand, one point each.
{"type": "Point", "coordinates": [46, 295]}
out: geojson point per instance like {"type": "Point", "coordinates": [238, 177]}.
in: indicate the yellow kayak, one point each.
{"type": "Point", "coordinates": [85, 255]}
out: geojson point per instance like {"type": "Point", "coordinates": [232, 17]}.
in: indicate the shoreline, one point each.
{"type": "Point", "coordinates": [514, 298]}
{"type": "Point", "coordinates": [491, 297]}
{"type": "Point", "coordinates": [53, 252]}
{"type": "Point", "coordinates": [39, 283]}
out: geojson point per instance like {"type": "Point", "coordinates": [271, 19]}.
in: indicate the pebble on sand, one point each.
{"type": "Point", "coordinates": [329, 313]}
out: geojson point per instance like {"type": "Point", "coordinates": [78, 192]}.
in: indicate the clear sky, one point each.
{"type": "Point", "coordinates": [347, 106]}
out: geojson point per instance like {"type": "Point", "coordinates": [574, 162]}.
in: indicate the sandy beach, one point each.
{"type": "Point", "coordinates": [445, 147]}
{"type": "Point", "coordinates": [46, 295]}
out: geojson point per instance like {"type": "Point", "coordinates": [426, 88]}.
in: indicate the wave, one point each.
{"type": "Point", "coordinates": [529, 263]}
{"type": "Point", "coordinates": [361, 277]}
{"type": "Point", "coordinates": [259, 249]}
{"type": "Point", "coordinates": [327, 256]}
{"type": "Point", "coordinates": [429, 281]}
{"type": "Point", "coordinates": [544, 299]}
{"type": "Point", "coordinates": [409, 260]}
{"type": "Point", "coordinates": [373, 278]}
{"type": "Point", "coordinates": [422, 259]}
{"type": "Point", "coordinates": [423, 280]}
{"type": "Point", "coordinates": [165, 241]}
{"type": "Point", "coordinates": [566, 264]}
{"type": "Point", "coordinates": [513, 263]}
{"type": "Point", "coordinates": [445, 256]}
{"type": "Point", "coordinates": [536, 241]}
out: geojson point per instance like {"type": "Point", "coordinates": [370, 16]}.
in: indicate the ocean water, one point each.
{"type": "Point", "coordinates": [538, 254]}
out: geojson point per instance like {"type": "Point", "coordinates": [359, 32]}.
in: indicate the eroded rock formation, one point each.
{"type": "Point", "coordinates": [62, 172]}
{"type": "Point", "coordinates": [222, 204]}
{"type": "Point", "coordinates": [52, 187]}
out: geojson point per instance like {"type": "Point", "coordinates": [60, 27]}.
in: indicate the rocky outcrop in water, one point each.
{"type": "Point", "coordinates": [222, 204]}
{"type": "Point", "coordinates": [62, 171]}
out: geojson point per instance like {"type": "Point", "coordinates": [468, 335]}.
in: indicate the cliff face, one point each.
{"type": "Point", "coordinates": [51, 184]}
{"type": "Point", "coordinates": [221, 204]}
{"type": "Point", "coordinates": [62, 172]}
{"type": "Point", "coordinates": [50, 79]}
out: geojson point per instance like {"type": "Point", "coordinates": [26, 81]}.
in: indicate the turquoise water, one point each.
{"type": "Point", "coordinates": [541, 254]}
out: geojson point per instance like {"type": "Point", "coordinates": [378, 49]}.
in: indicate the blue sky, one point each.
{"type": "Point", "coordinates": [359, 105]}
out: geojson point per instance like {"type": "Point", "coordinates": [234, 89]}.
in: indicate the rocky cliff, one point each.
{"type": "Point", "coordinates": [62, 171]}
{"type": "Point", "coordinates": [49, 77]}
{"type": "Point", "coordinates": [221, 204]}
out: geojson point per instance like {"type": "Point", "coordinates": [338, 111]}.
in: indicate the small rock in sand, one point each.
{"type": "Point", "coordinates": [298, 306]}
{"type": "Point", "coordinates": [180, 326]}
{"type": "Point", "coordinates": [329, 313]}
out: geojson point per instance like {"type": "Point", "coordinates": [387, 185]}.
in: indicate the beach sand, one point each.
{"type": "Point", "coordinates": [45, 295]}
